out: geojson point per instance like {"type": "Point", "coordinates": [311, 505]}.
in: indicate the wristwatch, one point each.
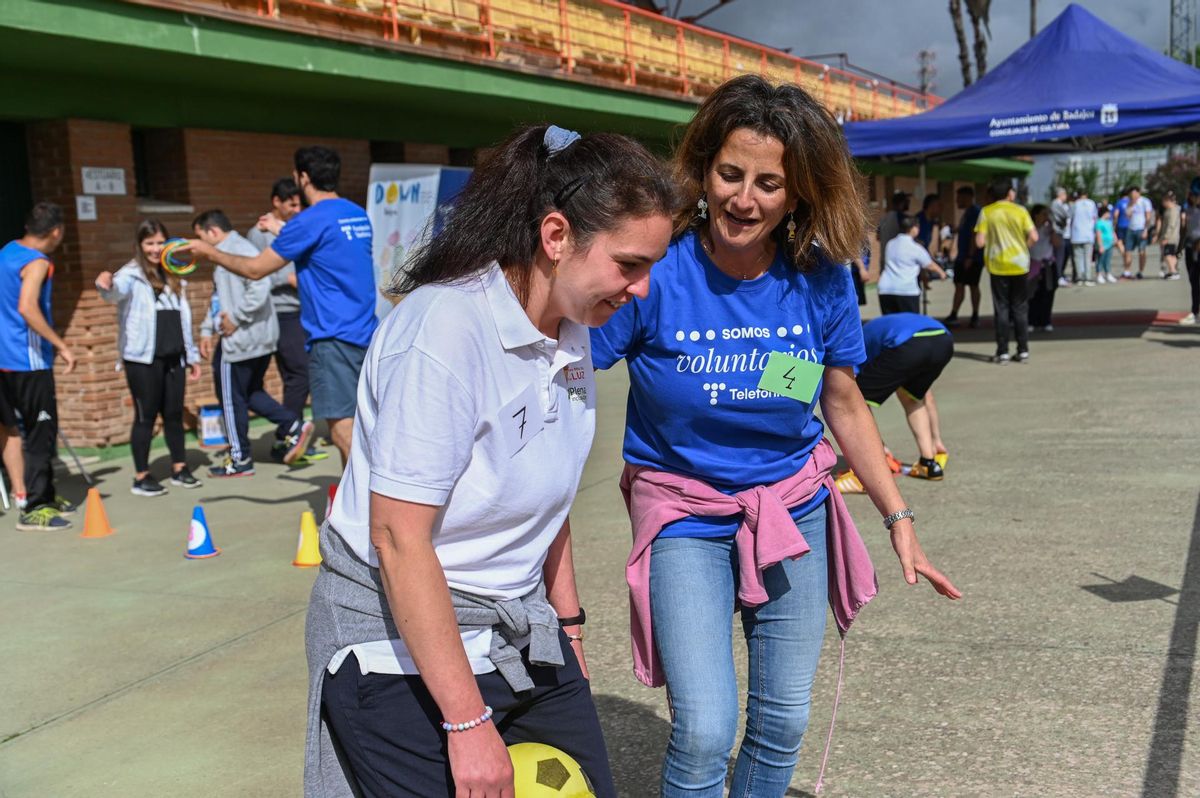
{"type": "Point", "coordinates": [574, 620]}
{"type": "Point", "coordinates": [892, 519]}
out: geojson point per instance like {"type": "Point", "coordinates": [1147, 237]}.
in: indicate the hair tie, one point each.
{"type": "Point", "coordinates": [558, 139]}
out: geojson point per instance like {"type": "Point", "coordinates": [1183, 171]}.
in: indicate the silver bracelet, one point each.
{"type": "Point", "coordinates": [892, 519]}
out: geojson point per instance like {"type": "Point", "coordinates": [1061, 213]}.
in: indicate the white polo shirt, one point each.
{"type": "Point", "coordinates": [464, 404]}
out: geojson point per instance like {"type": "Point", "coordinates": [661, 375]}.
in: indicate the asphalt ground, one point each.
{"type": "Point", "coordinates": [1070, 518]}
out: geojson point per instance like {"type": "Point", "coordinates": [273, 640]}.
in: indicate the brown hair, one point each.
{"type": "Point", "coordinates": [820, 174]}
{"type": "Point", "coordinates": [155, 273]}
{"type": "Point", "coordinates": [597, 182]}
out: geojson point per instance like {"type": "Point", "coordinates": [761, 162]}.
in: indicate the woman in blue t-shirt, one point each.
{"type": "Point", "coordinates": [756, 267]}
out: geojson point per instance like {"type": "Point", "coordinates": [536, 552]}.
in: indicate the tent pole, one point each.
{"type": "Point", "coordinates": [921, 180]}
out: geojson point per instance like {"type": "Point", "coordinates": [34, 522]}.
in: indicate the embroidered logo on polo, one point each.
{"type": "Point", "coordinates": [576, 392]}
{"type": "Point", "coordinates": [723, 351]}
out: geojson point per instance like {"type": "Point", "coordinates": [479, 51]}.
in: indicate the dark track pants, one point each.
{"type": "Point", "coordinates": [31, 394]}
{"type": "Point", "coordinates": [389, 734]}
{"type": "Point", "coordinates": [291, 358]}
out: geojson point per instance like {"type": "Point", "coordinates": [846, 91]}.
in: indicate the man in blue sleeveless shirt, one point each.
{"type": "Point", "coordinates": [27, 348]}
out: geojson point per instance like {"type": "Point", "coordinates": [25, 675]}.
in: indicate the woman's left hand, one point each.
{"type": "Point", "coordinates": [194, 372]}
{"type": "Point", "coordinates": [914, 562]}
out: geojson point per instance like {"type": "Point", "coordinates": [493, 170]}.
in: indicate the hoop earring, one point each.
{"type": "Point", "coordinates": [702, 207]}
{"type": "Point", "coordinates": [791, 228]}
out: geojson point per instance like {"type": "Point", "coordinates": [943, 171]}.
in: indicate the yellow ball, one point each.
{"type": "Point", "coordinates": [543, 771]}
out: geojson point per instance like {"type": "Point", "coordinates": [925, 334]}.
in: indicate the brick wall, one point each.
{"type": "Point", "coordinates": [202, 168]}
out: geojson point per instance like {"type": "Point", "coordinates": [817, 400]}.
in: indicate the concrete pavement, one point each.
{"type": "Point", "coordinates": [1069, 517]}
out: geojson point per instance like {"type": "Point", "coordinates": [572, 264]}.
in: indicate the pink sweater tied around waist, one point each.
{"type": "Point", "coordinates": [766, 536]}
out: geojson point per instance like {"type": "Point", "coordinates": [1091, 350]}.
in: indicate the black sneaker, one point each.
{"type": "Point", "coordinates": [233, 468]}
{"type": "Point", "coordinates": [297, 441]}
{"type": "Point", "coordinates": [42, 519]}
{"type": "Point", "coordinates": [927, 469]}
{"type": "Point", "coordinates": [974, 323]}
{"type": "Point", "coordinates": [951, 320]}
{"type": "Point", "coordinates": [1139, 276]}
{"type": "Point", "coordinates": [147, 486]}
{"type": "Point", "coordinates": [278, 450]}
{"type": "Point", "coordinates": [184, 479]}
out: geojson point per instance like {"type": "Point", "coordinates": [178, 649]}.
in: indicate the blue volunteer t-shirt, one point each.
{"type": "Point", "coordinates": [21, 349]}
{"type": "Point", "coordinates": [1121, 211]}
{"type": "Point", "coordinates": [696, 348]}
{"type": "Point", "coordinates": [330, 243]}
{"type": "Point", "coordinates": [894, 329]}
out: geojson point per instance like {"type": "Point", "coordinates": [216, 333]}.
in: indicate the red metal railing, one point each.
{"type": "Point", "coordinates": [603, 41]}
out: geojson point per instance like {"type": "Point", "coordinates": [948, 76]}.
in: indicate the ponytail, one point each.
{"type": "Point", "coordinates": [597, 182]}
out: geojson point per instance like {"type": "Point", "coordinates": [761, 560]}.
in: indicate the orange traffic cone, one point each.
{"type": "Point", "coordinates": [95, 520]}
{"type": "Point", "coordinates": [329, 501]}
{"type": "Point", "coordinates": [308, 548]}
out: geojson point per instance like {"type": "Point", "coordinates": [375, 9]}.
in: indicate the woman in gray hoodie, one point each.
{"type": "Point", "coordinates": [155, 342]}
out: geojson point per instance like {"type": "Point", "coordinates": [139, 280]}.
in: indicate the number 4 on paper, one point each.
{"type": "Point", "coordinates": [792, 377]}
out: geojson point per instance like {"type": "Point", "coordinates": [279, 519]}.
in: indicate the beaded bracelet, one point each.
{"type": "Point", "coordinates": [471, 724]}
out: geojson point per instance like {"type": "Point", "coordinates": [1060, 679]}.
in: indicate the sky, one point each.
{"type": "Point", "coordinates": [886, 35]}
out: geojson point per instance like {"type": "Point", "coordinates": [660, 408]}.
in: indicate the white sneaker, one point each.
{"type": "Point", "coordinates": [1048, 328]}
{"type": "Point", "coordinates": [1063, 282]}
{"type": "Point", "coordinates": [1089, 282]}
{"type": "Point", "coordinates": [1188, 320]}
{"type": "Point", "coordinates": [1126, 275]}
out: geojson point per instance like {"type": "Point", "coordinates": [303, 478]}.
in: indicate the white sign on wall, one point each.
{"type": "Point", "coordinates": [85, 208]}
{"type": "Point", "coordinates": [103, 180]}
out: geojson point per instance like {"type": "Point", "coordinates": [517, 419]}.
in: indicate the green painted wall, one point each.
{"type": "Point", "coordinates": [104, 59]}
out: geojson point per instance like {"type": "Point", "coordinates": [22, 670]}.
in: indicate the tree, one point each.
{"type": "Point", "coordinates": [1085, 178]}
{"type": "Point", "coordinates": [1175, 174]}
{"type": "Point", "coordinates": [964, 55]}
{"type": "Point", "coordinates": [978, 11]}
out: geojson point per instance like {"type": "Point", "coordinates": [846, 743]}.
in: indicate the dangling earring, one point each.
{"type": "Point", "coordinates": [791, 228]}
{"type": "Point", "coordinates": [702, 207]}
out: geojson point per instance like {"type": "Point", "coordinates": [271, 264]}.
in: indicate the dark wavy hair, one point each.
{"type": "Point", "coordinates": [154, 272]}
{"type": "Point", "coordinates": [830, 208]}
{"type": "Point", "coordinates": [596, 182]}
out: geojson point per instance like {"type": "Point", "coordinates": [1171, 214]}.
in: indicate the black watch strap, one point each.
{"type": "Point", "coordinates": [574, 620]}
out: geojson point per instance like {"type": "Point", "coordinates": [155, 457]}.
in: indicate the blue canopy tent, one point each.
{"type": "Point", "coordinates": [1078, 85]}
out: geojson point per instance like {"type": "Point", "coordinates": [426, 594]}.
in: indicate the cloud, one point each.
{"type": "Point", "coordinates": [886, 35]}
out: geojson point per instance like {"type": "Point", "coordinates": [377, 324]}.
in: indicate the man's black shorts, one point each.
{"type": "Point", "coordinates": [968, 272]}
{"type": "Point", "coordinates": [913, 366]}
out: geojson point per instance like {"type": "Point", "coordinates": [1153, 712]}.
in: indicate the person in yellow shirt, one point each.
{"type": "Point", "coordinates": [1005, 232]}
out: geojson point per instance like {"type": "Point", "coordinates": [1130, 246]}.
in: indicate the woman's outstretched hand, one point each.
{"type": "Point", "coordinates": [915, 563]}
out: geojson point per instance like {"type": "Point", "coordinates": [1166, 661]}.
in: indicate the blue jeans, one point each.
{"type": "Point", "coordinates": [692, 593]}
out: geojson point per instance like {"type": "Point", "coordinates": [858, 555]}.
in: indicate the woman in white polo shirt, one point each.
{"type": "Point", "coordinates": [903, 260]}
{"type": "Point", "coordinates": [445, 623]}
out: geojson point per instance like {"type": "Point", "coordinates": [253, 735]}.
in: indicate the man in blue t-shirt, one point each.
{"type": "Point", "coordinates": [930, 221]}
{"type": "Point", "coordinates": [330, 243]}
{"type": "Point", "coordinates": [1121, 225]}
{"type": "Point", "coordinates": [28, 344]}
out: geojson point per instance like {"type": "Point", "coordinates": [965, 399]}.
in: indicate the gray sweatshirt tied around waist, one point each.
{"type": "Point", "coordinates": [349, 606]}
